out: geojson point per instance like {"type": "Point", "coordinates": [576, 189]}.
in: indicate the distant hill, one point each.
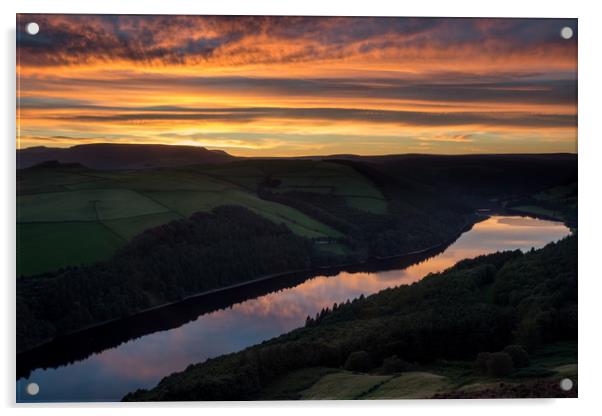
{"type": "Point", "coordinates": [446, 158]}
{"type": "Point", "coordinates": [121, 156]}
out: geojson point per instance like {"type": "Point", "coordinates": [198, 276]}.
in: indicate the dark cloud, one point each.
{"type": "Point", "coordinates": [417, 118]}
{"type": "Point", "coordinates": [446, 88]}
{"type": "Point", "coordinates": [69, 39]}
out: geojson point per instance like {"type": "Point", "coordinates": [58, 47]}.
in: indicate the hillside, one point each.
{"type": "Point", "coordinates": [84, 235]}
{"type": "Point", "coordinates": [75, 225]}
{"type": "Point", "coordinates": [68, 215]}
{"type": "Point", "coordinates": [121, 156]}
{"type": "Point", "coordinates": [419, 339]}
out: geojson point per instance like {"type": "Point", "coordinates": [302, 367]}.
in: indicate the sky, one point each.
{"type": "Point", "coordinates": [291, 86]}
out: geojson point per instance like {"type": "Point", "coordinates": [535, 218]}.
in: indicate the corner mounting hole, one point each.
{"type": "Point", "coordinates": [32, 28]}
{"type": "Point", "coordinates": [566, 384]}
{"type": "Point", "coordinates": [566, 33]}
{"type": "Point", "coordinates": [32, 389]}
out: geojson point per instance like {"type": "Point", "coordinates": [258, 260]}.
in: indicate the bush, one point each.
{"type": "Point", "coordinates": [499, 364]}
{"type": "Point", "coordinates": [395, 364]}
{"type": "Point", "coordinates": [520, 357]}
{"type": "Point", "coordinates": [358, 361]}
{"type": "Point", "coordinates": [528, 332]}
{"type": "Point", "coordinates": [481, 361]}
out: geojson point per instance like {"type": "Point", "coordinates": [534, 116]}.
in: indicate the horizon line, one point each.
{"type": "Point", "coordinates": [303, 156]}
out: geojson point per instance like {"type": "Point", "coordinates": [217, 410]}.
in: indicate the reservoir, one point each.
{"type": "Point", "coordinates": [105, 363]}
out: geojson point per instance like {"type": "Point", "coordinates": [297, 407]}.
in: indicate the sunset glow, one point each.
{"type": "Point", "coordinates": [288, 86]}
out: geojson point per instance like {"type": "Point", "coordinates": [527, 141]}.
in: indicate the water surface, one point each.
{"type": "Point", "coordinates": [143, 361]}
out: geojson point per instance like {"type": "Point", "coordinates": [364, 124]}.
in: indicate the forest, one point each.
{"type": "Point", "coordinates": [511, 302]}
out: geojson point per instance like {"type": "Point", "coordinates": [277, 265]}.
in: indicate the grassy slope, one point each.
{"type": "Point", "coordinates": [127, 202]}
{"type": "Point", "coordinates": [411, 385]}
{"type": "Point", "coordinates": [344, 385]}
{"type": "Point", "coordinates": [83, 216]}
{"type": "Point", "coordinates": [307, 176]}
{"type": "Point", "coordinates": [47, 246]}
{"type": "Point", "coordinates": [558, 202]}
{"type": "Point", "coordinates": [551, 362]}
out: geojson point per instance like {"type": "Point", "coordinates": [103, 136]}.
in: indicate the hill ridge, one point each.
{"type": "Point", "coordinates": [122, 155]}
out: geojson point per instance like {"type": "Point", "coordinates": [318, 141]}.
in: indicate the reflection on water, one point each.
{"type": "Point", "coordinates": [142, 362]}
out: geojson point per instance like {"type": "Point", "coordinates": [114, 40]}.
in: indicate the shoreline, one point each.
{"type": "Point", "coordinates": [469, 223]}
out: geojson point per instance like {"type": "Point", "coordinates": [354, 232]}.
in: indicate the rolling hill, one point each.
{"type": "Point", "coordinates": [122, 156]}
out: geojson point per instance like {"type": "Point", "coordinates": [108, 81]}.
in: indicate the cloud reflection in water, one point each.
{"type": "Point", "coordinates": [142, 362]}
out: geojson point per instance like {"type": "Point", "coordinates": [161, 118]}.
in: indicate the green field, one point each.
{"type": "Point", "coordinates": [344, 385]}
{"type": "Point", "coordinates": [153, 180]}
{"type": "Point", "coordinates": [129, 227]}
{"type": "Point", "coordinates": [331, 384]}
{"type": "Point", "coordinates": [44, 247]}
{"type": "Point", "coordinates": [84, 205]}
{"type": "Point", "coordinates": [185, 203]}
{"type": "Point", "coordinates": [73, 215]}
{"type": "Point", "coordinates": [411, 385]}
{"type": "Point", "coordinates": [306, 176]}
{"type": "Point", "coordinates": [51, 180]}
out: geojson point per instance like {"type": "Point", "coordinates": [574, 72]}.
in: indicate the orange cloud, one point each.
{"type": "Point", "coordinates": [285, 85]}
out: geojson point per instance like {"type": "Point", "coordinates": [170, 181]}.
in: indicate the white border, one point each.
{"type": "Point", "coordinates": [590, 160]}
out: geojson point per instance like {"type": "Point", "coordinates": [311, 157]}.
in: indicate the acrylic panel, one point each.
{"type": "Point", "coordinates": [295, 208]}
